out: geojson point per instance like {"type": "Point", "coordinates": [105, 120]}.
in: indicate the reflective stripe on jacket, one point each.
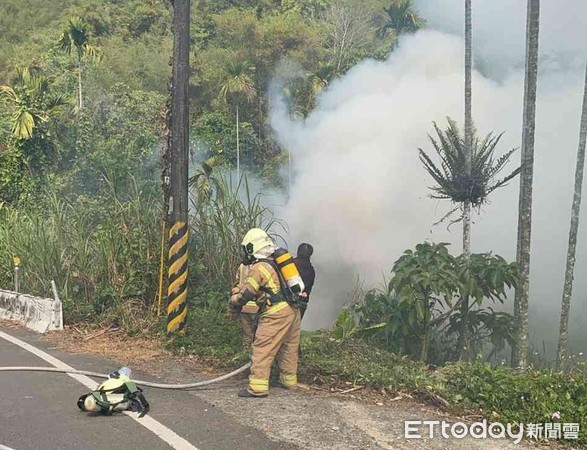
{"type": "Point", "coordinates": [241, 275]}
{"type": "Point", "coordinates": [262, 286]}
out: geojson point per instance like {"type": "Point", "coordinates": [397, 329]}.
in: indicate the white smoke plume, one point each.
{"type": "Point", "coordinates": [360, 193]}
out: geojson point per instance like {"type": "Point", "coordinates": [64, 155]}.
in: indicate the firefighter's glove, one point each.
{"type": "Point", "coordinates": [233, 307]}
{"type": "Point", "coordinates": [234, 299]}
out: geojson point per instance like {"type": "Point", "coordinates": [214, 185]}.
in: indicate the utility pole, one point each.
{"type": "Point", "coordinates": [179, 230]}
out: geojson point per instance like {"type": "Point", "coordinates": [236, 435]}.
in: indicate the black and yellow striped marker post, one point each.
{"type": "Point", "coordinates": [178, 277]}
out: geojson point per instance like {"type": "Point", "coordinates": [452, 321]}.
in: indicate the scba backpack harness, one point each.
{"type": "Point", "coordinates": [291, 284]}
{"type": "Point", "coordinates": [118, 393]}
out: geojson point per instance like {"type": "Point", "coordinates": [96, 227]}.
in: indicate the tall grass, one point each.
{"type": "Point", "coordinates": [219, 224]}
{"type": "Point", "coordinates": [101, 252]}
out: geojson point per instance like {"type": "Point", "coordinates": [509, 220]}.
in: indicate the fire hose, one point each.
{"type": "Point", "coordinates": [142, 383]}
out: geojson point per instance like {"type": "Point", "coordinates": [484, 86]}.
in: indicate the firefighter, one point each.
{"type": "Point", "coordinates": [307, 272]}
{"type": "Point", "coordinates": [248, 314]}
{"type": "Point", "coordinates": [278, 330]}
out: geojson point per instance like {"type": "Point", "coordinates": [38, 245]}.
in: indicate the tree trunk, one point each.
{"type": "Point", "coordinates": [179, 231]}
{"type": "Point", "coordinates": [79, 81]}
{"type": "Point", "coordinates": [289, 174]}
{"type": "Point", "coordinates": [260, 117]}
{"type": "Point", "coordinates": [425, 336]}
{"type": "Point", "coordinates": [575, 211]}
{"type": "Point", "coordinates": [238, 153]}
{"type": "Point", "coordinates": [425, 345]}
{"type": "Point", "coordinates": [464, 348]}
{"type": "Point", "coordinates": [468, 120]}
{"type": "Point", "coordinates": [520, 349]}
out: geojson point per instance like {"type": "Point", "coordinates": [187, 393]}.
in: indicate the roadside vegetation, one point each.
{"type": "Point", "coordinates": [83, 107]}
{"type": "Point", "coordinates": [477, 388]}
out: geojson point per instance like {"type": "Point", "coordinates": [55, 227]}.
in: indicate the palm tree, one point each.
{"type": "Point", "coordinates": [205, 182]}
{"type": "Point", "coordinates": [294, 96]}
{"type": "Point", "coordinates": [320, 79]}
{"type": "Point", "coordinates": [463, 336]}
{"type": "Point", "coordinates": [33, 103]}
{"type": "Point", "coordinates": [295, 102]}
{"type": "Point", "coordinates": [520, 350]}
{"type": "Point", "coordinates": [452, 179]}
{"type": "Point", "coordinates": [466, 175]}
{"type": "Point", "coordinates": [401, 18]}
{"type": "Point", "coordinates": [239, 82]}
{"type": "Point", "coordinates": [34, 107]}
{"type": "Point", "coordinates": [76, 36]}
{"type": "Point", "coordinates": [575, 212]}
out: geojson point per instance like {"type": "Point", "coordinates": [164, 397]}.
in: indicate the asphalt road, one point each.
{"type": "Point", "coordinates": [38, 410]}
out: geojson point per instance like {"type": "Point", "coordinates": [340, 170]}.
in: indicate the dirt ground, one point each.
{"type": "Point", "coordinates": [318, 417]}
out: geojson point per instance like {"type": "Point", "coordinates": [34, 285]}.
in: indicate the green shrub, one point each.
{"type": "Point", "coordinates": [498, 393]}
{"type": "Point", "coordinates": [509, 396]}
{"type": "Point", "coordinates": [358, 362]}
{"type": "Point", "coordinates": [211, 296]}
{"type": "Point", "coordinates": [210, 332]}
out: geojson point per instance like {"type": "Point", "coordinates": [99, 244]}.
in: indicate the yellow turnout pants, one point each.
{"type": "Point", "coordinates": [248, 329]}
{"type": "Point", "coordinates": [278, 332]}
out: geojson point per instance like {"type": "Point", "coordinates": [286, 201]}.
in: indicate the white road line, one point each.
{"type": "Point", "coordinates": [148, 422]}
{"type": "Point", "coordinates": [3, 447]}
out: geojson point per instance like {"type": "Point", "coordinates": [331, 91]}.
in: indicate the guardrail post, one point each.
{"type": "Point", "coordinates": [57, 309]}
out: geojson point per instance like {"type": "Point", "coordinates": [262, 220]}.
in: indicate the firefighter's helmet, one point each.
{"type": "Point", "coordinates": [254, 241]}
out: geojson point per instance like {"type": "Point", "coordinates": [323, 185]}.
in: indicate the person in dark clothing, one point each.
{"type": "Point", "coordinates": [307, 272]}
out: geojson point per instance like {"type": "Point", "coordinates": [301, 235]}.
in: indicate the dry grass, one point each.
{"type": "Point", "coordinates": [142, 353]}
{"type": "Point", "coordinates": [9, 324]}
